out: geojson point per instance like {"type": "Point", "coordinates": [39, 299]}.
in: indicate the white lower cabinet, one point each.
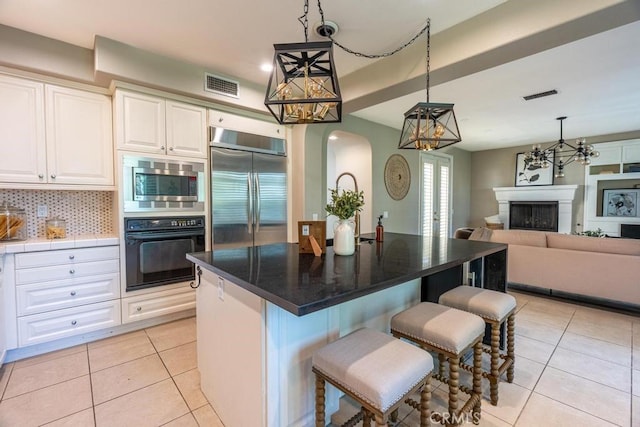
{"type": "Point", "coordinates": [46, 296]}
{"type": "Point", "coordinates": [66, 292]}
{"type": "Point", "coordinates": [157, 304]}
{"type": "Point", "coordinates": [57, 324]}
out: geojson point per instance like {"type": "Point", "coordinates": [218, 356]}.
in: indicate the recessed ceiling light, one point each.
{"type": "Point", "coordinates": [266, 67]}
{"type": "Point", "coordinates": [333, 137]}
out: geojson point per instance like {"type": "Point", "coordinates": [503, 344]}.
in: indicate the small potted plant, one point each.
{"type": "Point", "coordinates": [344, 206]}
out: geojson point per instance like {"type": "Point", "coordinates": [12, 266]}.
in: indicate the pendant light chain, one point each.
{"type": "Point", "coordinates": [368, 55]}
{"type": "Point", "coordinates": [428, 54]}
{"type": "Point", "coordinates": [304, 20]}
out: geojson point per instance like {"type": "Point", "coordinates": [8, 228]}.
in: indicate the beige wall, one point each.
{"type": "Point", "coordinates": [404, 215]}
{"type": "Point", "coordinates": [496, 168]}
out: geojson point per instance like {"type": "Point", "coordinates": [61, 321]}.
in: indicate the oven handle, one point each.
{"type": "Point", "coordinates": [150, 236]}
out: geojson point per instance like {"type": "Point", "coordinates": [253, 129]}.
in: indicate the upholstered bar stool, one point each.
{"type": "Point", "coordinates": [495, 308]}
{"type": "Point", "coordinates": [377, 371]}
{"type": "Point", "coordinates": [450, 333]}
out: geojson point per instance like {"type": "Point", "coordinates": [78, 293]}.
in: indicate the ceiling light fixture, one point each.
{"type": "Point", "coordinates": [303, 86]}
{"type": "Point", "coordinates": [561, 153]}
{"type": "Point", "coordinates": [429, 126]}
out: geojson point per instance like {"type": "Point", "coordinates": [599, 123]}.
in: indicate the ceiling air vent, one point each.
{"type": "Point", "coordinates": [540, 95]}
{"type": "Point", "coordinates": [219, 85]}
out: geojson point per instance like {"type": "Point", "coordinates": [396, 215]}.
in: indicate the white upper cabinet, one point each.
{"type": "Point", "coordinates": [54, 135]}
{"type": "Point", "coordinates": [22, 140]}
{"type": "Point", "coordinates": [140, 122]}
{"type": "Point", "coordinates": [79, 139]}
{"type": "Point", "coordinates": [186, 129]}
{"type": "Point", "coordinates": [149, 124]}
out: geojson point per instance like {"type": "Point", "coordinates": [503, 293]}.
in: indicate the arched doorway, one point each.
{"type": "Point", "coordinates": [348, 152]}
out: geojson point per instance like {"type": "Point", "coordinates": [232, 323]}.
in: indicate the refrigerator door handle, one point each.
{"type": "Point", "coordinates": [250, 204]}
{"type": "Point", "coordinates": [257, 202]}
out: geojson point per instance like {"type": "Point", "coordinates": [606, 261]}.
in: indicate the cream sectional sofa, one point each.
{"type": "Point", "coordinates": [601, 270]}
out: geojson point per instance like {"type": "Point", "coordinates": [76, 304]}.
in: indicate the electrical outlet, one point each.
{"type": "Point", "coordinates": [221, 288]}
{"type": "Point", "coordinates": [43, 211]}
{"type": "Point", "coordinates": [385, 214]}
{"type": "Point", "coordinates": [314, 216]}
{"type": "Point", "coordinates": [305, 229]}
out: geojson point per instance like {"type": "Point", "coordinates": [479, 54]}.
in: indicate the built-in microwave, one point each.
{"type": "Point", "coordinates": [162, 184]}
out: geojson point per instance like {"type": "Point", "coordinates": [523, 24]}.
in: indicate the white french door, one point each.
{"type": "Point", "coordinates": [436, 194]}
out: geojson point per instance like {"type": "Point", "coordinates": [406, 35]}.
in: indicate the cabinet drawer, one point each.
{"type": "Point", "coordinates": [66, 256]}
{"type": "Point", "coordinates": [152, 305]}
{"type": "Point", "coordinates": [57, 324]}
{"type": "Point", "coordinates": [40, 297]}
{"type": "Point", "coordinates": [67, 271]}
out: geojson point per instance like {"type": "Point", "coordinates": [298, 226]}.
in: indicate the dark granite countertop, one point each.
{"type": "Point", "coordinates": [304, 283]}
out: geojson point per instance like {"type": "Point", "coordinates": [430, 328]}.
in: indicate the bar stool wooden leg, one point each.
{"type": "Point", "coordinates": [510, 345]}
{"type": "Point", "coordinates": [366, 420]}
{"type": "Point", "coordinates": [477, 380]}
{"type": "Point", "coordinates": [320, 402]}
{"type": "Point", "coordinates": [425, 398]}
{"type": "Point", "coordinates": [454, 366]}
{"type": "Point", "coordinates": [495, 362]}
{"type": "Point", "coordinates": [441, 361]}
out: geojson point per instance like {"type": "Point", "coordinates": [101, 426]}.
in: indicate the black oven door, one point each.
{"type": "Point", "coordinates": [155, 258]}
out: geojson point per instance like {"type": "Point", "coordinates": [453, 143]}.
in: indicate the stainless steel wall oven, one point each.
{"type": "Point", "coordinates": [155, 249]}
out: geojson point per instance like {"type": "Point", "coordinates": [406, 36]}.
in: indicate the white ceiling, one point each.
{"type": "Point", "coordinates": [596, 77]}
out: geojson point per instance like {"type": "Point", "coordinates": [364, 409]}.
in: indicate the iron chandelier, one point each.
{"type": "Point", "coordinates": [429, 126]}
{"type": "Point", "coordinates": [561, 153]}
{"type": "Point", "coordinates": [303, 86]}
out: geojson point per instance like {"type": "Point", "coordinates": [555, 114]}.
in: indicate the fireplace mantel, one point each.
{"type": "Point", "coordinates": [563, 194]}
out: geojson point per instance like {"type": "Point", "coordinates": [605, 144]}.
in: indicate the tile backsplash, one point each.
{"type": "Point", "coordinates": [85, 212]}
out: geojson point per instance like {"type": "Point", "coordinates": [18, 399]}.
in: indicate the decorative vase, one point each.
{"type": "Point", "coordinates": [344, 241]}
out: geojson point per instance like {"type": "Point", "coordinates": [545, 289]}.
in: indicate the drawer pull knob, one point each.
{"type": "Point", "coordinates": [40, 176]}
{"type": "Point", "coordinates": [73, 293]}
{"type": "Point", "coordinates": [53, 176]}
{"type": "Point", "coordinates": [139, 309]}
{"type": "Point", "coordinates": [72, 256]}
{"type": "Point", "coordinates": [72, 271]}
{"type": "Point", "coordinates": [73, 322]}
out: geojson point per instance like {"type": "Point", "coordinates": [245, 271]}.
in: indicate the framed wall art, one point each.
{"type": "Point", "coordinates": [620, 202]}
{"type": "Point", "coordinates": [528, 174]}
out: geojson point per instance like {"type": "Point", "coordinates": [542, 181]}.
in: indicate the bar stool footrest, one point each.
{"type": "Point", "coordinates": [501, 370]}
{"type": "Point", "coordinates": [353, 421]}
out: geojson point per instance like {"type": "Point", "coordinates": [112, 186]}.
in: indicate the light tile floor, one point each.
{"type": "Point", "coordinates": [575, 366]}
{"type": "Point", "coordinates": [144, 378]}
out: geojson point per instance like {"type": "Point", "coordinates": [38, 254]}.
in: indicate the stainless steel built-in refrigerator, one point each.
{"type": "Point", "coordinates": [248, 198]}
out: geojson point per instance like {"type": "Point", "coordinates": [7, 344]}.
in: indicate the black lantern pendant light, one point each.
{"type": "Point", "coordinates": [303, 86]}
{"type": "Point", "coordinates": [429, 126]}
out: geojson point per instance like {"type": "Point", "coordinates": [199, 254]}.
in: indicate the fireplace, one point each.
{"type": "Point", "coordinates": [542, 216]}
{"type": "Point", "coordinates": [560, 195]}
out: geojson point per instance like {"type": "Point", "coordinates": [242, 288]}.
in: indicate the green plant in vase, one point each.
{"type": "Point", "coordinates": [344, 205]}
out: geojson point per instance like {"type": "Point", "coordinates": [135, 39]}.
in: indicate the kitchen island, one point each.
{"type": "Point", "coordinates": [263, 311]}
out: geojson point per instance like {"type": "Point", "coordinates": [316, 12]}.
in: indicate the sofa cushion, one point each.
{"type": "Point", "coordinates": [593, 244]}
{"type": "Point", "coordinates": [481, 233]}
{"type": "Point", "coordinates": [520, 237]}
